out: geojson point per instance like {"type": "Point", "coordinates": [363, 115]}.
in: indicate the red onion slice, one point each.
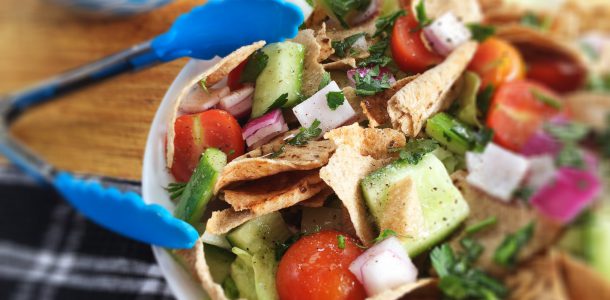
{"type": "Point", "coordinates": [446, 33]}
{"type": "Point", "coordinates": [239, 102]}
{"type": "Point", "coordinates": [261, 130]}
{"type": "Point", "coordinates": [197, 100]}
{"type": "Point", "coordinates": [265, 120]}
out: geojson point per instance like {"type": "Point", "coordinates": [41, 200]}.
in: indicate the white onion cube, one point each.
{"type": "Point", "coordinates": [316, 108]}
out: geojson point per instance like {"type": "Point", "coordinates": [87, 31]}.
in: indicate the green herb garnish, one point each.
{"type": "Point", "coordinates": [341, 241]}
{"type": "Point", "coordinates": [421, 15]}
{"type": "Point", "coordinates": [306, 134]}
{"type": "Point", "coordinates": [569, 135]}
{"type": "Point", "coordinates": [278, 152]}
{"type": "Point", "coordinates": [342, 47]}
{"type": "Point", "coordinates": [385, 24]}
{"type": "Point", "coordinates": [474, 228]}
{"type": "Point", "coordinates": [506, 254]}
{"type": "Point", "coordinates": [255, 65]}
{"type": "Point", "coordinates": [334, 100]}
{"type": "Point", "coordinates": [415, 150]}
{"type": "Point", "coordinates": [341, 8]}
{"type": "Point", "coordinates": [546, 99]}
{"type": "Point", "coordinates": [481, 32]}
{"type": "Point", "coordinates": [386, 233]}
{"type": "Point", "coordinates": [279, 102]}
{"type": "Point", "coordinates": [175, 189]}
{"type": "Point", "coordinates": [371, 83]}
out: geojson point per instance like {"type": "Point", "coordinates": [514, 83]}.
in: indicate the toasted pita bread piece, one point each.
{"type": "Point", "coordinates": [194, 261]}
{"type": "Point", "coordinates": [581, 281]}
{"type": "Point", "coordinates": [511, 217]}
{"type": "Point", "coordinates": [589, 108]}
{"type": "Point", "coordinates": [326, 47]}
{"type": "Point", "coordinates": [211, 77]}
{"type": "Point", "coordinates": [427, 94]}
{"type": "Point", "coordinates": [539, 279]}
{"type": "Point", "coordinates": [341, 64]}
{"type": "Point", "coordinates": [318, 199]}
{"type": "Point", "coordinates": [258, 163]}
{"type": "Point", "coordinates": [312, 69]}
{"type": "Point", "coordinates": [280, 190]}
{"type": "Point", "coordinates": [339, 34]}
{"type": "Point", "coordinates": [404, 214]}
{"type": "Point", "coordinates": [423, 289]}
{"type": "Point", "coordinates": [468, 11]}
{"type": "Point", "coordinates": [375, 107]}
{"type": "Point", "coordinates": [367, 141]}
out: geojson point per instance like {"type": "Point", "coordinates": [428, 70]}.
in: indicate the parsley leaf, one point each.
{"type": "Point", "coordinates": [385, 24]}
{"type": "Point", "coordinates": [386, 233]}
{"type": "Point", "coordinates": [278, 152]}
{"type": "Point", "coordinates": [334, 100]}
{"type": "Point", "coordinates": [546, 99]}
{"type": "Point", "coordinates": [324, 81]}
{"type": "Point", "coordinates": [341, 8]}
{"type": "Point", "coordinates": [372, 83]}
{"type": "Point", "coordinates": [481, 32]}
{"type": "Point", "coordinates": [414, 150]}
{"type": "Point", "coordinates": [341, 241]}
{"type": "Point", "coordinates": [306, 134]}
{"type": "Point", "coordinates": [175, 189]}
{"type": "Point", "coordinates": [377, 55]}
{"type": "Point", "coordinates": [342, 47]}
{"type": "Point", "coordinates": [506, 254]}
{"type": "Point", "coordinates": [421, 15]}
{"type": "Point", "coordinates": [255, 65]}
{"type": "Point", "coordinates": [279, 102]}
{"type": "Point", "coordinates": [474, 228]}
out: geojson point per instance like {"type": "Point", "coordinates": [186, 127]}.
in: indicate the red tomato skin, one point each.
{"type": "Point", "coordinates": [408, 48]}
{"type": "Point", "coordinates": [515, 114]}
{"type": "Point", "coordinates": [196, 132]}
{"type": "Point", "coordinates": [233, 80]}
{"type": "Point", "coordinates": [315, 268]}
{"type": "Point", "coordinates": [560, 75]}
{"type": "Point", "coordinates": [496, 62]}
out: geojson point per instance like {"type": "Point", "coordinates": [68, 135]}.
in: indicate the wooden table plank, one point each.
{"type": "Point", "coordinates": [101, 129]}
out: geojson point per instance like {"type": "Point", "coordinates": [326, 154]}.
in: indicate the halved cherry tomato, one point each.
{"type": "Point", "coordinates": [496, 62]}
{"type": "Point", "coordinates": [518, 111]}
{"type": "Point", "coordinates": [197, 132]}
{"type": "Point", "coordinates": [408, 48]}
{"type": "Point", "coordinates": [235, 76]}
{"type": "Point", "coordinates": [559, 74]}
{"type": "Point", "coordinates": [315, 268]}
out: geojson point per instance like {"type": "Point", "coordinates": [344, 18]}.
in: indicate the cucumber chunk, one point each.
{"type": "Point", "coordinates": [262, 233]}
{"type": "Point", "coordinates": [282, 75]}
{"type": "Point", "coordinates": [242, 274]}
{"type": "Point", "coordinates": [219, 260]}
{"type": "Point", "coordinates": [265, 268]}
{"type": "Point", "coordinates": [199, 189]}
{"type": "Point", "coordinates": [442, 205]}
{"type": "Point", "coordinates": [450, 132]}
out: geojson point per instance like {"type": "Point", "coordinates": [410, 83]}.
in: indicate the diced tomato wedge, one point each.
{"type": "Point", "coordinates": [233, 80]}
{"type": "Point", "coordinates": [197, 132]}
{"type": "Point", "coordinates": [496, 62]}
{"type": "Point", "coordinates": [518, 111]}
{"type": "Point", "coordinates": [408, 48]}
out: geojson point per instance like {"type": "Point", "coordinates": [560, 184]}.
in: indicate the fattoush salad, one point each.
{"type": "Point", "coordinates": [435, 149]}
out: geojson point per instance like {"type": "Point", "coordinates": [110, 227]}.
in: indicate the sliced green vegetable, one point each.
{"type": "Point", "coordinates": [506, 254]}
{"type": "Point", "coordinates": [481, 32]}
{"type": "Point", "coordinates": [219, 261]}
{"type": "Point", "coordinates": [199, 189]}
{"type": "Point", "coordinates": [242, 274]}
{"type": "Point", "coordinates": [262, 233]}
{"type": "Point", "coordinates": [421, 15]}
{"type": "Point", "coordinates": [342, 47]}
{"type": "Point", "coordinates": [474, 228]}
{"type": "Point", "coordinates": [455, 135]}
{"type": "Point", "coordinates": [468, 111]}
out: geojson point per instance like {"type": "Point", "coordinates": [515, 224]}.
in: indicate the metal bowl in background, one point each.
{"type": "Point", "coordinates": [110, 8]}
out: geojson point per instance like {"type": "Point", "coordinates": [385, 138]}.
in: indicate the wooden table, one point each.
{"type": "Point", "coordinates": [101, 129]}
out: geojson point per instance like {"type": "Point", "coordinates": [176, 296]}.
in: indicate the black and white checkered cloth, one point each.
{"type": "Point", "coordinates": [49, 251]}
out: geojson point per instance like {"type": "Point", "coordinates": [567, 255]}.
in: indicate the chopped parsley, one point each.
{"type": "Point", "coordinates": [255, 65]}
{"type": "Point", "coordinates": [385, 24]}
{"type": "Point", "coordinates": [278, 152]}
{"type": "Point", "coordinates": [306, 134]}
{"type": "Point", "coordinates": [372, 83]}
{"type": "Point", "coordinates": [506, 254]}
{"type": "Point", "coordinates": [334, 100]}
{"type": "Point", "coordinates": [569, 135]}
{"type": "Point", "coordinates": [414, 150]}
{"type": "Point", "coordinates": [546, 99]}
{"type": "Point", "coordinates": [421, 15]}
{"type": "Point", "coordinates": [386, 233]}
{"type": "Point", "coordinates": [377, 55]}
{"type": "Point", "coordinates": [341, 8]}
{"type": "Point", "coordinates": [459, 279]}
{"type": "Point", "coordinates": [175, 189]}
{"type": "Point", "coordinates": [324, 81]}
{"type": "Point", "coordinates": [474, 228]}
{"type": "Point", "coordinates": [341, 241]}
{"type": "Point", "coordinates": [524, 193]}
{"type": "Point", "coordinates": [484, 99]}
{"type": "Point", "coordinates": [342, 47]}
{"type": "Point", "coordinates": [481, 32]}
{"type": "Point", "coordinates": [279, 102]}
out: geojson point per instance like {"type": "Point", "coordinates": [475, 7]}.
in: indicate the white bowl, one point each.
{"type": "Point", "coordinates": [155, 177]}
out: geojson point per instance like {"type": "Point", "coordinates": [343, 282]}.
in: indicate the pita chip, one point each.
{"type": "Point", "coordinates": [312, 69]}
{"type": "Point", "coordinates": [421, 287]}
{"type": "Point", "coordinates": [427, 94]}
{"type": "Point", "coordinates": [581, 281]}
{"type": "Point", "coordinates": [211, 77]}
{"type": "Point", "coordinates": [539, 279]}
{"type": "Point", "coordinates": [375, 107]}
{"type": "Point", "coordinates": [258, 163]}
{"type": "Point", "coordinates": [326, 47]}
{"type": "Point", "coordinates": [372, 142]}
{"type": "Point", "coordinates": [589, 108]}
{"type": "Point", "coordinates": [346, 63]}
{"type": "Point", "coordinates": [222, 221]}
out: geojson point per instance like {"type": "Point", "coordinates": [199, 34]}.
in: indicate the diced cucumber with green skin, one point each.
{"type": "Point", "coordinates": [262, 233]}
{"type": "Point", "coordinates": [442, 204]}
{"type": "Point", "coordinates": [450, 160]}
{"type": "Point", "coordinates": [265, 269]}
{"type": "Point", "coordinates": [243, 274]}
{"type": "Point", "coordinates": [219, 260]}
{"type": "Point", "coordinates": [199, 189]}
{"type": "Point", "coordinates": [282, 75]}
{"type": "Point", "coordinates": [450, 132]}
{"type": "Point", "coordinates": [321, 218]}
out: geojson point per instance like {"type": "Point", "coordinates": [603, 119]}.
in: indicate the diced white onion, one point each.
{"type": "Point", "coordinates": [316, 107]}
{"type": "Point", "coordinates": [446, 33]}
{"type": "Point", "coordinates": [496, 171]}
{"type": "Point", "coordinates": [541, 171]}
{"type": "Point", "coordinates": [216, 240]}
{"type": "Point", "coordinates": [238, 102]}
{"type": "Point", "coordinates": [198, 100]}
{"type": "Point", "coordinates": [384, 266]}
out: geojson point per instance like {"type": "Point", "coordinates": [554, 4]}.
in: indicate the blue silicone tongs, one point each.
{"type": "Point", "coordinates": [216, 28]}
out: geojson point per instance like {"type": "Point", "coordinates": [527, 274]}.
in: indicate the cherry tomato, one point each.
{"type": "Point", "coordinates": [497, 62]}
{"type": "Point", "coordinates": [235, 76]}
{"type": "Point", "coordinates": [518, 110]}
{"type": "Point", "coordinates": [559, 74]}
{"type": "Point", "coordinates": [315, 268]}
{"type": "Point", "coordinates": [408, 48]}
{"type": "Point", "coordinates": [197, 132]}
